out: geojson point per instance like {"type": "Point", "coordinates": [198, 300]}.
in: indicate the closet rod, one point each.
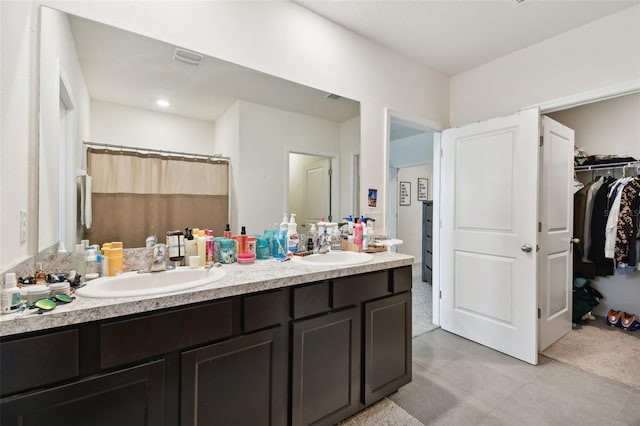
{"type": "Point", "coordinates": [606, 166]}
{"type": "Point", "coordinates": [158, 151]}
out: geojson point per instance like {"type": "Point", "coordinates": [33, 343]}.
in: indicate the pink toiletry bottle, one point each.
{"type": "Point", "coordinates": [357, 234]}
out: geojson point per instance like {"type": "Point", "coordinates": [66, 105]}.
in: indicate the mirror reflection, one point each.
{"type": "Point", "coordinates": [105, 85]}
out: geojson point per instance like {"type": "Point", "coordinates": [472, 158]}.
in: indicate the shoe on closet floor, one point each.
{"type": "Point", "coordinates": [629, 322]}
{"type": "Point", "coordinates": [614, 318]}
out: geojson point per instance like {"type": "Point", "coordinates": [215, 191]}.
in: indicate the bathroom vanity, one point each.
{"type": "Point", "coordinates": [271, 344]}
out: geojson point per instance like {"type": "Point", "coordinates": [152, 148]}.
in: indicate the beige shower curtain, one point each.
{"type": "Point", "coordinates": [135, 195]}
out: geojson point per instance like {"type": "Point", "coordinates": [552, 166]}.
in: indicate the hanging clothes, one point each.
{"type": "Point", "coordinates": [615, 196]}
{"type": "Point", "coordinates": [628, 229]}
{"type": "Point", "coordinates": [588, 215]}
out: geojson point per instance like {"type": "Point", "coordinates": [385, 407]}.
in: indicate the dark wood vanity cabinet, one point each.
{"type": "Point", "coordinates": [241, 381]}
{"type": "Point", "coordinates": [310, 354]}
{"type": "Point", "coordinates": [129, 397]}
{"type": "Point", "coordinates": [325, 375]}
{"type": "Point", "coordinates": [350, 344]}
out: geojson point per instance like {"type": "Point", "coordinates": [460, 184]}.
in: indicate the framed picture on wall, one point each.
{"type": "Point", "coordinates": [405, 193]}
{"type": "Point", "coordinates": [423, 189]}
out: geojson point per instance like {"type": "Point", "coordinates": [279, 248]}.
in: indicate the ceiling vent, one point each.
{"type": "Point", "coordinates": [187, 57]}
{"type": "Point", "coordinates": [333, 96]}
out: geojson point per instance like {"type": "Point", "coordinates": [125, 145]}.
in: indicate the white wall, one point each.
{"type": "Point", "coordinates": [600, 54]}
{"type": "Point", "coordinates": [286, 40]}
{"type": "Point", "coordinates": [227, 142]}
{"type": "Point", "coordinates": [266, 136]}
{"type": "Point", "coordinates": [122, 125]}
{"type": "Point", "coordinates": [606, 127]}
{"type": "Point", "coordinates": [410, 217]}
{"type": "Point", "coordinates": [18, 129]}
{"type": "Point", "coordinates": [349, 147]}
{"type": "Point", "coordinates": [58, 61]}
{"type": "Point", "coordinates": [609, 127]}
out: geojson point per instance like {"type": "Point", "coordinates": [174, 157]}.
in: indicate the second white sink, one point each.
{"type": "Point", "coordinates": [335, 258]}
{"type": "Point", "coordinates": [134, 284]}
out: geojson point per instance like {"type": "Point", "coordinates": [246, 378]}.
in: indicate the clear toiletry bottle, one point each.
{"type": "Point", "coordinates": [190, 244]}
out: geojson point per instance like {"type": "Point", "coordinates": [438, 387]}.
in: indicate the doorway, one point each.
{"type": "Point", "coordinates": [412, 144]}
{"type": "Point", "coordinates": [311, 194]}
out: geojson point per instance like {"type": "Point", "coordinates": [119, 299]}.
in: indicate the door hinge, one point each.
{"type": "Point", "coordinates": [541, 140]}
{"type": "Point", "coordinates": [441, 153]}
{"type": "Point", "coordinates": [539, 313]}
{"type": "Point", "coordinates": [440, 223]}
{"type": "Point", "coordinates": [440, 294]}
{"type": "Point", "coordinates": [330, 171]}
{"type": "Point", "coordinates": [539, 226]}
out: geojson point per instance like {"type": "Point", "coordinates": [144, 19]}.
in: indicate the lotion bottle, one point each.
{"type": "Point", "coordinates": [10, 294]}
{"type": "Point", "coordinates": [202, 248]}
{"type": "Point", "coordinates": [292, 235]}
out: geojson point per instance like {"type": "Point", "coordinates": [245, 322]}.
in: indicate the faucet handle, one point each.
{"type": "Point", "coordinates": [159, 250]}
{"type": "Point", "coordinates": [151, 241]}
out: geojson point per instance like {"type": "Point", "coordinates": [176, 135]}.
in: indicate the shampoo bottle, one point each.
{"type": "Point", "coordinates": [10, 294]}
{"type": "Point", "coordinates": [292, 235]}
{"type": "Point", "coordinates": [242, 241]}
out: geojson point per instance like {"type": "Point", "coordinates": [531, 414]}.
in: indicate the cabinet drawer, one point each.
{"type": "Point", "coordinates": [38, 361]}
{"type": "Point", "coordinates": [139, 338]}
{"type": "Point", "coordinates": [310, 300]}
{"type": "Point", "coordinates": [428, 259]}
{"type": "Point", "coordinates": [401, 279]}
{"type": "Point", "coordinates": [263, 310]}
{"type": "Point", "coordinates": [358, 288]}
{"type": "Point", "coordinates": [427, 274]}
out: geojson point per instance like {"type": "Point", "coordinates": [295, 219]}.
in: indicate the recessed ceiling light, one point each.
{"type": "Point", "coordinates": [163, 103]}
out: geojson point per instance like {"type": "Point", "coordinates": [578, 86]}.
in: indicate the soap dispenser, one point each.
{"type": "Point", "coordinates": [292, 235]}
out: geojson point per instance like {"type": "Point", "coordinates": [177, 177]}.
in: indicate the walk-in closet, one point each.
{"type": "Point", "coordinates": [607, 139]}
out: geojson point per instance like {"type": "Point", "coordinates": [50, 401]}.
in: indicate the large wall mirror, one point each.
{"type": "Point", "coordinates": [105, 85]}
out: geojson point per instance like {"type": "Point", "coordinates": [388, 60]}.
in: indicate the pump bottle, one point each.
{"type": "Point", "coordinates": [10, 294]}
{"type": "Point", "coordinates": [292, 235]}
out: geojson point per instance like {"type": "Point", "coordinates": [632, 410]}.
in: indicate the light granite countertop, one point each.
{"type": "Point", "coordinates": [240, 279]}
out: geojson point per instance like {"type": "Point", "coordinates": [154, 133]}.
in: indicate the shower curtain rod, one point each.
{"type": "Point", "coordinates": [158, 151]}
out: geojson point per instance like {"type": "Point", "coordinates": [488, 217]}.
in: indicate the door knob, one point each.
{"type": "Point", "coordinates": [526, 248]}
{"type": "Point", "coordinates": [575, 240]}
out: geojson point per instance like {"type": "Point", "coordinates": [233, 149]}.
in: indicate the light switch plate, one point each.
{"type": "Point", "coordinates": [23, 226]}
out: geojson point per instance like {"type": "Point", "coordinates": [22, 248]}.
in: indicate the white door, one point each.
{"type": "Point", "coordinates": [556, 231]}
{"type": "Point", "coordinates": [317, 189]}
{"type": "Point", "coordinates": [489, 217]}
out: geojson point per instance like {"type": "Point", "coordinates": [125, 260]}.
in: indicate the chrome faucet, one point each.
{"type": "Point", "coordinates": [324, 243]}
{"type": "Point", "coordinates": [158, 259]}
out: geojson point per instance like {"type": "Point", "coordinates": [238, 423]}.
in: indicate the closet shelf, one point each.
{"type": "Point", "coordinates": [620, 165]}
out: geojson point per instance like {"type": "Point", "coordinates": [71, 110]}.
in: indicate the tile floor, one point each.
{"type": "Point", "coordinates": [458, 382]}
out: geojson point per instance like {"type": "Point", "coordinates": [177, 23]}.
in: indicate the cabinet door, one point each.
{"type": "Point", "coordinates": [131, 397]}
{"type": "Point", "coordinates": [387, 347]}
{"type": "Point", "coordinates": [325, 368]}
{"type": "Point", "coordinates": [236, 382]}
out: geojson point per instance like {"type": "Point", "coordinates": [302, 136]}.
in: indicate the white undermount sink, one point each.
{"type": "Point", "coordinates": [335, 258]}
{"type": "Point", "coordinates": [134, 284]}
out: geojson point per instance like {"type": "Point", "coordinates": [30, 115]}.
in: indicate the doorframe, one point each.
{"type": "Point", "coordinates": [335, 177]}
{"type": "Point", "coordinates": [391, 206]}
{"type": "Point", "coordinates": [587, 97]}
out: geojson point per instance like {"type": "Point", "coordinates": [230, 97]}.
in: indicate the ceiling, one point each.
{"type": "Point", "coordinates": [452, 36]}
{"type": "Point", "coordinates": [129, 69]}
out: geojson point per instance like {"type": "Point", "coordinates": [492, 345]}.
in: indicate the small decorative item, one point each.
{"type": "Point", "coordinates": [405, 193]}
{"type": "Point", "coordinates": [423, 189]}
{"type": "Point", "coordinates": [373, 197]}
